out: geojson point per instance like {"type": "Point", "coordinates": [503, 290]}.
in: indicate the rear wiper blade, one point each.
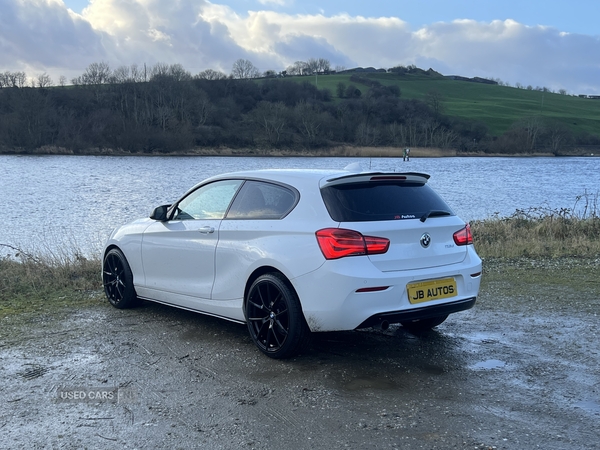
{"type": "Point", "coordinates": [434, 212]}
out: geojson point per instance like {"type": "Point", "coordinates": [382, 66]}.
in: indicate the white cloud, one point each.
{"type": "Point", "coordinates": [276, 2]}
{"type": "Point", "coordinates": [514, 52]}
{"type": "Point", "coordinates": [42, 35]}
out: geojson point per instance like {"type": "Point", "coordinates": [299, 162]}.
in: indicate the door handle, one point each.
{"type": "Point", "coordinates": [206, 230]}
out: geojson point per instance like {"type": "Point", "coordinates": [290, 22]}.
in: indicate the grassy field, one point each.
{"type": "Point", "coordinates": [497, 106]}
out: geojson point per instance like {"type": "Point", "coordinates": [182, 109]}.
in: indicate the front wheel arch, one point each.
{"type": "Point", "coordinates": [117, 279]}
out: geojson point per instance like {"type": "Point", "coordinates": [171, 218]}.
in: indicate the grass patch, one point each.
{"type": "Point", "coordinates": [542, 232]}
{"type": "Point", "coordinates": [532, 285]}
{"type": "Point", "coordinates": [30, 282]}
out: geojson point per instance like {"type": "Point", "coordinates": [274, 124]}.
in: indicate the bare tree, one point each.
{"type": "Point", "coordinates": [21, 79]}
{"type": "Point", "coordinates": [408, 132]}
{"type": "Point", "coordinates": [531, 128]}
{"type": "Point", "coordinates": [308, 120]}
{"type": "Point", "coordinates": [13, 79]}
{"type": "Point", "coordinates": [138, 74]}
{"type": "Point", "coordinates": [429, 128]}
{"type": "Point", "coordinates": [121, 74]}
{"type": "Point", "coordinates": [96, 73]}
{"type": "Point", "coordinates": [178, 73]}
{"type": "Point", "coordinates": [558, 136]}
{"type": "Point", "coordinates": [164, 115]}
{"type": "Point", "coordinates": [244, 69]}
{"type": "Point", "coordinates": [318, 65]}
{"type": "Point", "coordinates": [434, 100]}
{"type": "Point", "coordinates": [323, 65]}
{"type": "Point", "coordinates": [534, 126]}
{"type": "Point", "coordinates": [271, 120]}
{"type": "Point", "coordinates": [44, 80]}
{"type": "Point", "coordinates": [62, 80]}
{"type": "Point", "coordinates": [298, 68]}
{"type": "Point", "coordinates": [393, 133]}
{"type": "Point", "coordinates": [312, 65]}
{"type": "Point", "coordinates": [203, 107]}
{"type": "Point", "coordinates": [210, 74]}
{"type": "Point", "coordinates": [444, 138]}
{"type": "Point", "coordinates": [366, 135]}
{"type": "Point", "coordinates": [159, 70]}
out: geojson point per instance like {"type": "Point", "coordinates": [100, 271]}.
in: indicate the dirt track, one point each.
{"type": "Point", "coordinates": [513, 373]}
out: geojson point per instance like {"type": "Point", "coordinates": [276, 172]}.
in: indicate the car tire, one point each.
{"type": "Point", "coordinates": [274, 317]}
{"type": "Point", "coordinates": [422, 325]}
{"type": "Point", "coordinates": [117, 280]}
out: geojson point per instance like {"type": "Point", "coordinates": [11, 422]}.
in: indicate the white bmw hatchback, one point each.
{"type": "Point", "coordinates": [290, 252]}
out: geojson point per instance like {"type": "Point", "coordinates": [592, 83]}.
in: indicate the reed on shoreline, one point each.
{"type": "Point", "coordinates": [28, 280]}
{"type": "Point", "coordinates": [542, 232]}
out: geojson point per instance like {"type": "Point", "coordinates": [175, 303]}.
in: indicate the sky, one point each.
{"type": "Point", "coordinates": [545, 43]}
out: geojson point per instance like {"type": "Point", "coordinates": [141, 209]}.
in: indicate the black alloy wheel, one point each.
{"type": "Point", "coordinates": [117, 280]}
{"type": "Point", "coordinates": [274, 317]}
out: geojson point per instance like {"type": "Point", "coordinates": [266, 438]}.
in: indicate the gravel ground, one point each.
{"type": "Point", "coordinates": [519, 371]}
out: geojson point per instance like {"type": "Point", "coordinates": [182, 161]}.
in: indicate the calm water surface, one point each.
{"type": "Point", "coordinates": [57, 201]}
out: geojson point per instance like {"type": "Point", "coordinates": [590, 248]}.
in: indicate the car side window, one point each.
{"type": "Point", "coordinates": [207, 202]}
{"type": "Point", "coordinates": [260, 200]}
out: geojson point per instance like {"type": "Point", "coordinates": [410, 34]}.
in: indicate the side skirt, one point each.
{"type": "Point", "coordinates": [204, 313]}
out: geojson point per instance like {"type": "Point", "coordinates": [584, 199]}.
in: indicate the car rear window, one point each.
{"type": "Point", "coordinates": [374, 201]}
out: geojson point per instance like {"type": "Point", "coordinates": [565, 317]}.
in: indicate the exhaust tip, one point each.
{"type": "Point", "coordinates": [383, 325]}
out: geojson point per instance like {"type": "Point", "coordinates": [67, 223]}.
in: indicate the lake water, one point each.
{"type": "Point", "coordinates": [75, 201]}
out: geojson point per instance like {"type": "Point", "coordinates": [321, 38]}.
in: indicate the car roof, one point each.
{"type": "Point", "coordinates": [323, 177]}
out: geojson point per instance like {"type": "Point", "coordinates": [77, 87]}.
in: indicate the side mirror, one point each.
{"type": "Point", "coordinates": [160, 213]}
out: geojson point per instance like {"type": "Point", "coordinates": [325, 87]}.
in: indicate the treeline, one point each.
{"type": "Point", "coordinates": [166, 109]}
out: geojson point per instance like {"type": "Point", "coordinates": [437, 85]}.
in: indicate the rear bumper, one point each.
{"type": "Point", "coordinates": [336, 297]}
{"type": "Point", "coordinates": [419, 313]}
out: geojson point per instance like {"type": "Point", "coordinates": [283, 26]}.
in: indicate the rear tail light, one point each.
{"type": "Point", "coordinates": [338, 243]}
{"type": "Point", "coordinates": [464, 236]}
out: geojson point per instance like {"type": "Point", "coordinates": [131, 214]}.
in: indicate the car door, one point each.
{"type": "Point", "coordinates": [178, 254]}
{"type": "Point", "coordinates": [253, 231]}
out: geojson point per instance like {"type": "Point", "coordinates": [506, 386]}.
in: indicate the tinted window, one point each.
{"type": "Point", "coordinates": [259, 200]}
{"type": "Point", "coordinates": [359, 202]}
{"type": "Point", "coordinates": [207, 202]}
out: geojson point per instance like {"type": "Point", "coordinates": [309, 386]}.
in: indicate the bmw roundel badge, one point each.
{"type": "Point", "coordinates": [425, 240]}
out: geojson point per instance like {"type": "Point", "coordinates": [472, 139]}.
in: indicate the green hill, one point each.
{"type": "Point", "coordinates": [496, 106]}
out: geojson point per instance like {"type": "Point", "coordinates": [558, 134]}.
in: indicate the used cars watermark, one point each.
{"type": "Point", "coordinates": [104, 394]}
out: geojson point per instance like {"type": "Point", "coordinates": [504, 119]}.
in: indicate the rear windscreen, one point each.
{"type": "Point", "coordinates": [372, 201]}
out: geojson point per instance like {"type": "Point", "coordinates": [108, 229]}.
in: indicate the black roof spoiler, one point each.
{"type": "Point", "coordinates": [380, 175]}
